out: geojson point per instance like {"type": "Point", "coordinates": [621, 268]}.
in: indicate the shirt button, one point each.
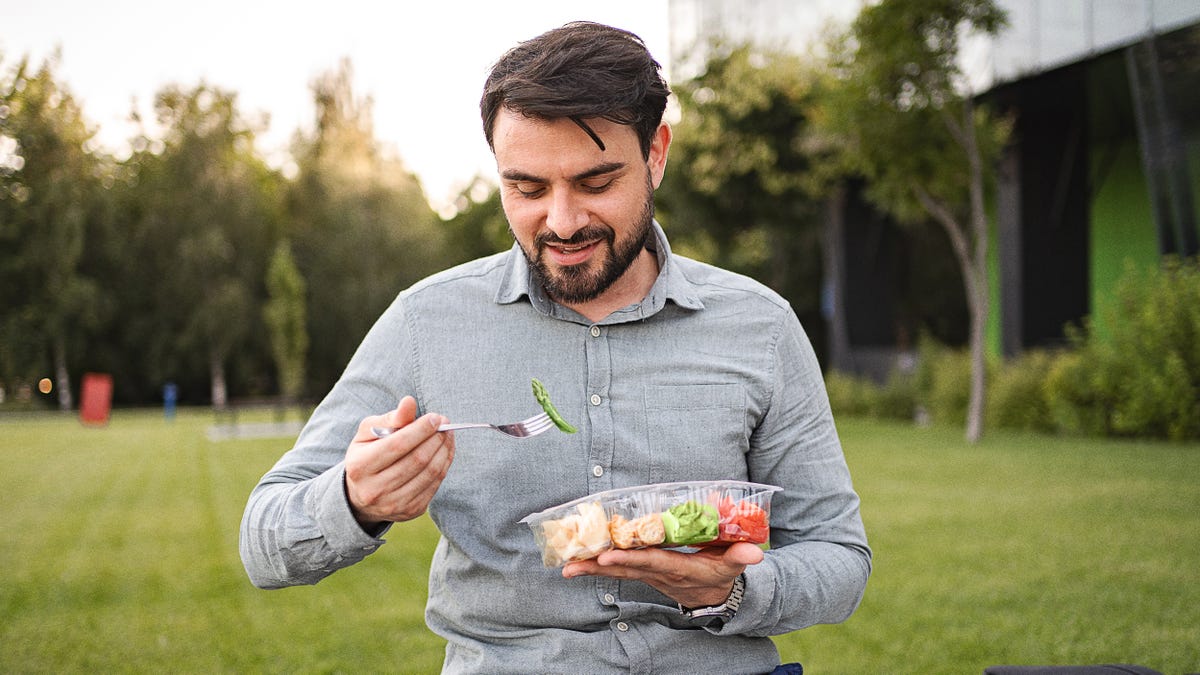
{"type": "Point", "coordinates": [597, 471]}
{"type": "Point", "coordinates": [595, 399]}
{"type": "Point", "coordinates": [622, 626]}
{"type": "Point", "coordinates": [595, 331]}
{"type": "Point", "coordinates": [609, 599]}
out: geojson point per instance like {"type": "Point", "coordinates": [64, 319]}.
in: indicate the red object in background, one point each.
{"type": "Point", "coordinates": [95, 398]}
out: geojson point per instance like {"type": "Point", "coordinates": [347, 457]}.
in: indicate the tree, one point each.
{"type": "Point", "coordinates": [203, 233]}
{"type": "Point", "coordinates": [479, 227]}
{"type": "Point", "coordinates": [359, 222]}
{"type": "Point", "coordinates": [904, 119]}
{"type": "Point", "coordinates": [742, 190]}
{"type": "Point", "coordinates": [285, 317]}
{"type": "Point", "coordinates": [49, 186]}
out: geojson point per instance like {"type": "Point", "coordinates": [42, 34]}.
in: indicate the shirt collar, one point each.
{"type": "Point", "coordinates": [671, 284]}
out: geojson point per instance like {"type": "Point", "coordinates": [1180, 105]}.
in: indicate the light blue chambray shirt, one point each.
{"type": "Point", "coordinates": [709, 377]}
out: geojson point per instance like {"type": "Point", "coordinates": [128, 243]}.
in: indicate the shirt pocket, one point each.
{"type": "Point", "coordinates": [696, 431]}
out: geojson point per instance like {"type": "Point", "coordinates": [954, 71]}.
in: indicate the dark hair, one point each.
{"type": "Point", "coordinates": [578, 71]}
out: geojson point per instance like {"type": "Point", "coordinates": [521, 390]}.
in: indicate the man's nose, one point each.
{"type": "Point", "coordinates": [565, 215]}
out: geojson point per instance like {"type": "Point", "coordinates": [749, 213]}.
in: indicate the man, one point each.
{"type": "Point", "coordinates": [671, 369]}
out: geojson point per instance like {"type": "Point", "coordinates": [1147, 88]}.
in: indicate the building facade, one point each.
{"type": "Point", "coordinates": [1102, 172]}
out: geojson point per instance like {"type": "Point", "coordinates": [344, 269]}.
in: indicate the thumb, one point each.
{"type": "Point", "coordinates": [742, 554]}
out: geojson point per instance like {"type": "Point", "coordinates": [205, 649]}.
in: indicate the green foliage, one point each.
{"type": "Point", "coordinates": [742, 187]}
{"type": "Point", "coordinates": [50, 200]}
{"type": "Point", "coordinates": [1077, 398]}
{"type": "Point", "coordinates": [284, 313]}
{"type": "Point", "coordinates": [1140, 375]}
{"type": "Point", "coordinates": [182, 232]}
{"type": "Point", "coordinates": [202, 234]}
{"type": "Point", "coordinates": [1017, 397]}
{"type": "Point", "coordinates": [359, 223]}
{"type": "Point", "coordinates": [479, 227]}
{"type": "Point", "coordinates": [849, 395]}
{"type": "Point", "coordinates": [902, 117]}
{"type": "Point", "coordinates": [943, 382]}
{"type": "Point", "coordinates": [860, 397]}
{"type": "Point", "coordinates": [900, 111]}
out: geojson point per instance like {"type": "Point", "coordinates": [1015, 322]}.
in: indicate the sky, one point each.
{"type": "Point", "coordinates": [423, 63]}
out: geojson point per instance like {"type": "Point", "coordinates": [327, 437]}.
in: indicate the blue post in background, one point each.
{"type": "Point", "coordinates": [170, 396]}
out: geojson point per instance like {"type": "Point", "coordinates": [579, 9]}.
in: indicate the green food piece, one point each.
{"type": "Point", "coordinates": [691, 523]}
{"type": "Point", "coordinates": [543, 398]}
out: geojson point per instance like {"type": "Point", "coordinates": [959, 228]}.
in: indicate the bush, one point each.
{"type": "Point", "coordinates": [1077, 405]}
{"type": "Point", "coordinates": [897, 399]}
{"type": "Point", "coordinates": [1137, 371]}
{"type": "Point", "coordinates": [943, 382]}
{"type": "Point", "coordinates": [849, 395]}
{"type": "Point", "coordinates": [1133, 370]}
{"type": "Point", "coordinates": [1156, 335]}
{"type": "Point", "coordinates": [861, 397]}
{"type": "Point", "coordinates": [1017, 393]}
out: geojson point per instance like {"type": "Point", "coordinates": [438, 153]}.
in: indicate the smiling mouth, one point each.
{"type": "Point", "coordinates": [575, 248]}
{"type": "Point", "coordinates": [572, 254]}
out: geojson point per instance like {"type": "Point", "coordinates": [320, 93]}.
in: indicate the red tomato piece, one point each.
{"type": "Point", "coordinates": [743, 521]}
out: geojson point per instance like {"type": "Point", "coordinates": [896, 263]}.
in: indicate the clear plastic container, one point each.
{"type": "Point", "coordinates": [745, 512]}
{"type": "Point", "coordinates": [635, 518]}
{"type": "Point", "coordinates": [577, 530]}
{"type": "Point", "coordinates": [670, 515]}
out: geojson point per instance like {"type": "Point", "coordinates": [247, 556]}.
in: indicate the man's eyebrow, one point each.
{"type": "Point", "coordinates": [518, 176]}
{"type": "Point", "coordinates": [607, 167]}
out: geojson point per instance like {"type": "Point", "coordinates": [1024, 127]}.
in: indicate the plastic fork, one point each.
{"type": "Point", "coordinates": [523, 429]}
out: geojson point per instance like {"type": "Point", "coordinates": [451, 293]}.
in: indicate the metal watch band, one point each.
{"type": "Point", "coordinates": [726, 609]}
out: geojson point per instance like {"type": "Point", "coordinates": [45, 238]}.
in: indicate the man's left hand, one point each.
{"type": "Point", "coordinates": [699, 579]}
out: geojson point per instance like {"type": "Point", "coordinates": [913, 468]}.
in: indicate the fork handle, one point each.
{"type": "Point", "coordinates": [381, 432]}
{"type": "Point", "coordinates": [463, 425]}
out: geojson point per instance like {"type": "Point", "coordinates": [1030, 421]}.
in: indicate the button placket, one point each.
{"type": "Point", "coordinates": [599, 375]}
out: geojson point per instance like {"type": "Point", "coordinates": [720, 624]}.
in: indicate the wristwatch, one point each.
{"type": "Point", "coordinates": [717, 615]}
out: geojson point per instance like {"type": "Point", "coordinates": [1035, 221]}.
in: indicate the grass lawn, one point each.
{"type": "Point", "coordinates": [119, 554]}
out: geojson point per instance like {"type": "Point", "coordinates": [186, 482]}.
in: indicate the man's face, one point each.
{"type": "Point", "coordinates": [580, 214]}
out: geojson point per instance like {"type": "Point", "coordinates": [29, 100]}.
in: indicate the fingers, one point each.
{"type": "Point", "coordinates": [727, 561]}
{"type": "Point", "coordinates": [410, 433]}
{"type": "Point", "coordinates": [693, 579]}
{"type": "Point", "coordinates": [395, 477]}
{"type": "Point", "coordinates": [403, 489]}
{"type": "Point", "coordinates": [416, 476]}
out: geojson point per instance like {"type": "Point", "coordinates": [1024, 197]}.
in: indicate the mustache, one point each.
{"type": "Point", "coordinates": [583, 235]}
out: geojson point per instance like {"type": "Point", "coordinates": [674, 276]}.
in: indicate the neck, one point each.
{"type": "Point", "coordinates": [632, 287]}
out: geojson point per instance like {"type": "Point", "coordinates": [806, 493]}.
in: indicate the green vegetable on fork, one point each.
{"type": "Point", "coordinates": [543, 398]}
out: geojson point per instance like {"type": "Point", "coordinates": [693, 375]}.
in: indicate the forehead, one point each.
{"type": "Point", "coordinates": [526, 143]}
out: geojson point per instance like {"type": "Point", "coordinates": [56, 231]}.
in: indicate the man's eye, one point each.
{"type": "Point", "coordinates": [529, 189]}
{"type": "Point", "coordinates": [598, 185]}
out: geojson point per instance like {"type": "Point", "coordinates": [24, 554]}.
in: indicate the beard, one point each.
{"type": "Point", "coordinates": [580, 283]}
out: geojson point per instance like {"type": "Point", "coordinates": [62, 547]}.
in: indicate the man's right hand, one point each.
{"type": "Point", "coordinates": [394, 478]}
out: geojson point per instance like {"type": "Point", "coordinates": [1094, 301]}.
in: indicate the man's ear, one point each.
{"type": "Point", "coordinates": [657, 160]}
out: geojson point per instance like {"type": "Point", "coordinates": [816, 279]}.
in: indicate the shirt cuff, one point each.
{"type": "Point", "coordinates": [330, 508]}
{"type": "Point", "coordinates": [756, 601]}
